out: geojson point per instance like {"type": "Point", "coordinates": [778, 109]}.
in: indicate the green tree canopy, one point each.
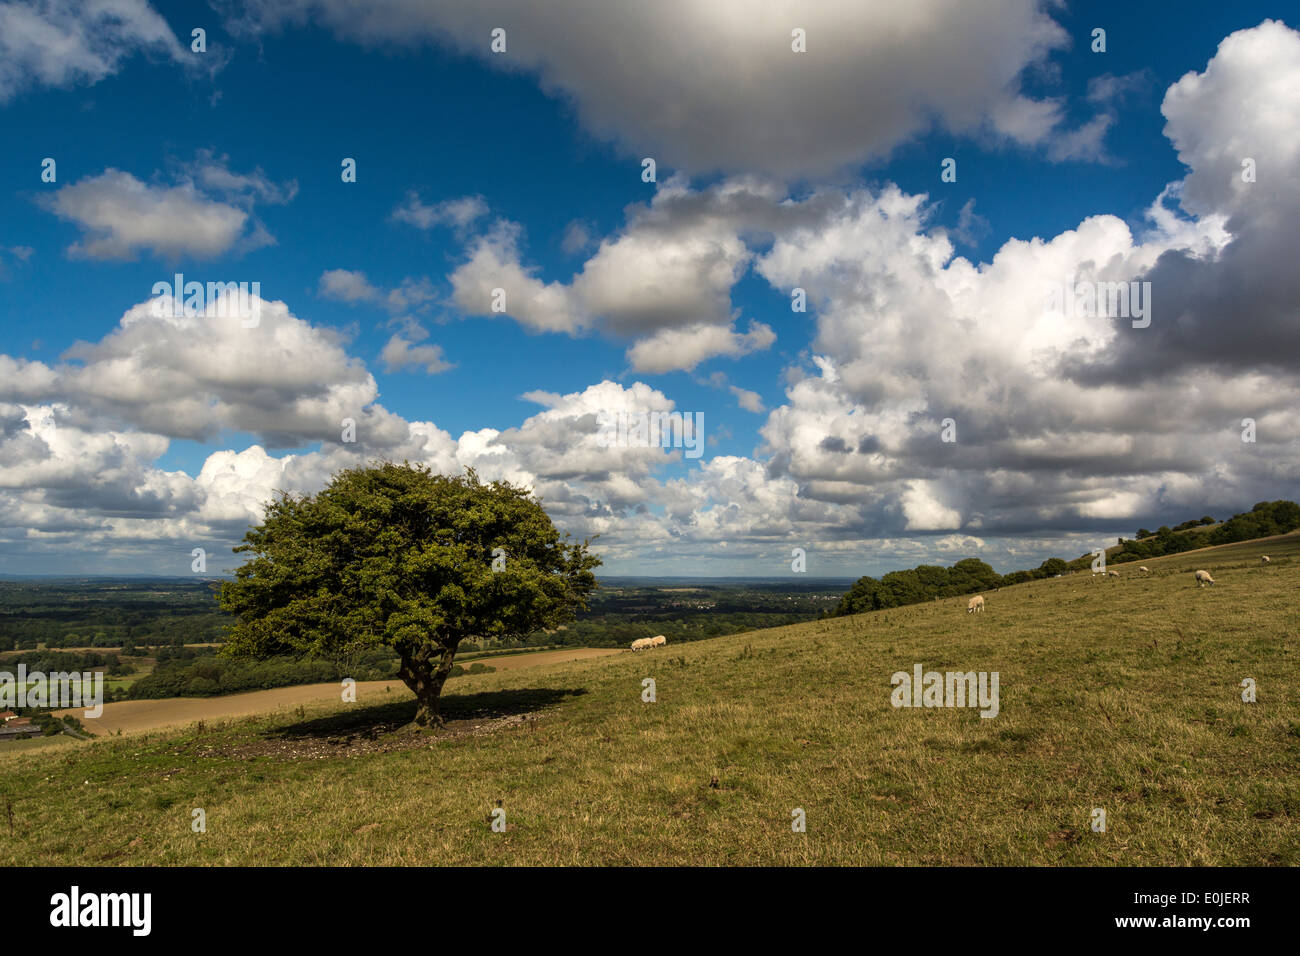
{"type": "Point", "coordinates": [399, 556]}
{"type": "Point", "coordinates": [972, 574]}
{"type": "Point", "coordinates": [1052, 567]}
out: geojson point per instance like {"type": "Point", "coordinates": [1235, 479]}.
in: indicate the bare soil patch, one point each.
{"type": "Point", "coordinates": [386, 737]}
{"type": "Point", "coordinates": [386, 728]}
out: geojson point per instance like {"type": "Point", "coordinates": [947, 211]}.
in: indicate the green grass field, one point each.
{"type": "Point", "coordinates": [1119, 694]}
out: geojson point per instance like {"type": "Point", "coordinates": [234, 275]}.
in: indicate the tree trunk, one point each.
{"type": "Point", "coordinates": [424, 670]}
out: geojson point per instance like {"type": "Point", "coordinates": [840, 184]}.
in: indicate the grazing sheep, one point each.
{"type": "Point", "coordinates": [658, 641]}
{"type": "Point", "coordinates": [1145, 570]}
{"type": "Point", "coordinates": [1263, 559]}
{"type": "Point", "coordinates": [1203, 578]}
{"type": "Point", "coordinates": [1112, 574]}
{"type": "Point", "coordinates": [642, 643]}
{"type": "Point", "coordinates": [975, 604]}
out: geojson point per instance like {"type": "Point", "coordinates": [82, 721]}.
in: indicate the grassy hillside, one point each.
{"type": "Point", "coordinates": [1119, 694]}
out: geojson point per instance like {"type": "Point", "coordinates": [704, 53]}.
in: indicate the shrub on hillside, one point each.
{"type": "Point", "coordinates": [923, 583]}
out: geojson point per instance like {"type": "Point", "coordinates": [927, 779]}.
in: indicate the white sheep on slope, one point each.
{"type": "Point", "coordinates": [1203, 578]}
{"type": "Point", "coordinates": [643, 643]}
{"type": "Point", "coordinates": [975, 604]}
{"type": "Point", "coordinates": [1263, 559]}
{"type": "Point", "coordinates": [658, 641]}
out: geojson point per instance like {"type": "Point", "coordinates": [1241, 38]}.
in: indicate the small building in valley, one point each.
{"type": "Point", "coordinates": [18, 725]}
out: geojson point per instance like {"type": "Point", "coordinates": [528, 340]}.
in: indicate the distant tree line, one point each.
{"type": "Point", "coordinates": [928, 581]}
{"type": "Point", "coordinates": [1185, 526]}
{"type": "Point", "coordinates": [53, 662]}
{"type": "Point", "coordinates": [19, 633]}
{"type": "Point", "coordinates": [1262, 521]}
{"type": "Point", "coordinates": [209, 675]}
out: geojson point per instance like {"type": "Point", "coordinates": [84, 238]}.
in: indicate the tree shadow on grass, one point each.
{"type": "Point", "coordinates": [457, 709]}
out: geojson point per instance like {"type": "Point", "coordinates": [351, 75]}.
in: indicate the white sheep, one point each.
{"type": "Point", "coordinates": [658, 641]}
{"type": "Point", "coordinates": [1144, 569]}
{"type": "Point", "coordinates": [975, 604]}
{"type": "Point", "coordinates": [1112, 574]}
{"type": "Point", "coordinates": [642, 643]}
{"type": "Point", "coordinates": [1264, 559]}
{"type": "Point", "coordinates": [1203, 578]}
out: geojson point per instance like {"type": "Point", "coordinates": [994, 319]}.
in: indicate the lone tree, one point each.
{"type": "Point", "coordinates": [397, 556]}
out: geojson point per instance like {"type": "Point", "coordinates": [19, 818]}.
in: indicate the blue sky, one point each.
{"type": "Point", "coordinates": [680, 293]}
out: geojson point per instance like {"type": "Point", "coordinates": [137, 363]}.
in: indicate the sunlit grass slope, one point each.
{"type": "Point", "coordinates": [1122, 695]}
